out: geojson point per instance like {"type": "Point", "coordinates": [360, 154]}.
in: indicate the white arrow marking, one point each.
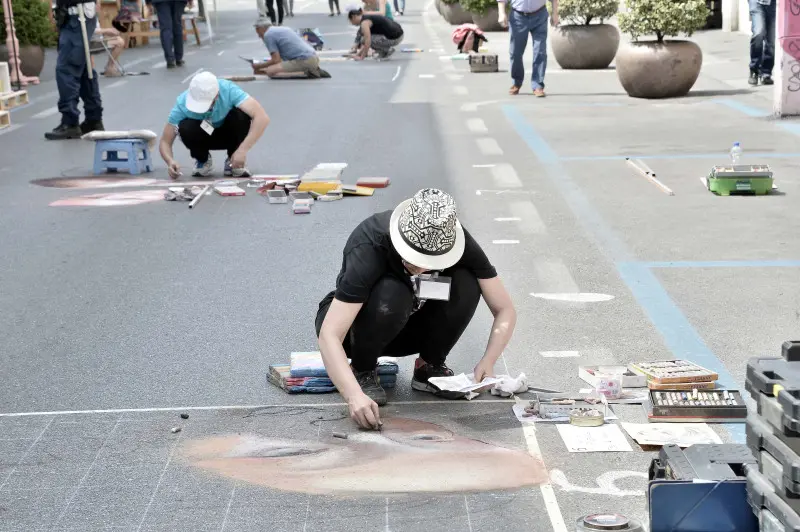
{"type": "Point", "coordinates": [606, 483]}
{"type": "Point", "coordinates": [578, 297]}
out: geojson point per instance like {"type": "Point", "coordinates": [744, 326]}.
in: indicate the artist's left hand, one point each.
{"type": "Point", "coordinates": [483, 369]}
{"type": "Point", "coordinates": [238, 159]}
{"type": "Point", "coordinates": [554, 19]}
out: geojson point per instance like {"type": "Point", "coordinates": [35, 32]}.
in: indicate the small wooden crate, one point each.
{"type": "Point", "coordinates": [5, 119]}
{"type": "Point", "coordinates": [13, 99]}
{"type": "Point", "coordinates": [483, 63]}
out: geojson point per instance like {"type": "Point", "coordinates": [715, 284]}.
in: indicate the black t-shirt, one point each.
{"type": "Point", "coordinates": [385, 26]}
{"type": "Point", "coordinates": [369, 255]}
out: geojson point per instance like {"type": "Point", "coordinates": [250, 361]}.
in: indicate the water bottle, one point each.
{"type": "Point", "coordinates": [736, 153]}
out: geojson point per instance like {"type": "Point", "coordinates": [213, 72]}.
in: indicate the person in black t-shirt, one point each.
{"type": "Point", "coordinates": [375, 31]}
{"type": "Point", "coordinates": [410, 282]}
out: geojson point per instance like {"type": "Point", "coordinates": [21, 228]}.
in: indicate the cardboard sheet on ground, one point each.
{"type": "Point", "coordinates": [519, 411]}
{"type": "Point", "coordinates": [462, 383]}
{"type": "Point", "coordinates": [682, 434]}
{"type": "Point", "coordinates": [630, 396]}
{"type": "Point", "coordinates": [605, 438]}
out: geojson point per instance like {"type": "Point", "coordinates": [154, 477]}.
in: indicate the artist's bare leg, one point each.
{"type": "Point", "coordinates": [117, 45]}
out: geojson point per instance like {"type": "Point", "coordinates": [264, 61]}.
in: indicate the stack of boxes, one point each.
{"type": "Point", "coordinates": [773, 435]}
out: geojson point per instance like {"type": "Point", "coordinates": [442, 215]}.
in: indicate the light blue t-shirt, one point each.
{"type": "Point", "coordinates": [230, 96]}
{"type": "Point", "coordinates": [287, 43]}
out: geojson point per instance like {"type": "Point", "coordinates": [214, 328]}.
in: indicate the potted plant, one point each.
{"type": "Point", "coordinates": [484, 14]}
{"type": "Point", "coordinates": [579, 44]}
{"type": "Point", "coordinates": [660, 68]}
{"type": "Point", "coordinates": [454, 13]}
{"type": "Point", "coordinates": [34, 31]}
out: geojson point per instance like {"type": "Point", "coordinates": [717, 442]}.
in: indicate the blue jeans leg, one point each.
{"type": "Point", "coordinates": [762, 40]}
{"type": "Point", "coordinates": [165, 29]}
{"type": "Point", "coordinates": [538, 29]}
{"type": "Point", "coordinates": [518, 32]}
{"type": "Point", "coordinates": [177, 28]}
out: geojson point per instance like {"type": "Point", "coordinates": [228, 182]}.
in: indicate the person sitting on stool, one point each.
{"type": "Point", "coordinates": [379, 307]}
{"type": "Point", "coordinates": [213, 114]}
{"type": "Point", "coordinates": [290, 55]}
{"type": "Point", "coordinates": [72, 73]}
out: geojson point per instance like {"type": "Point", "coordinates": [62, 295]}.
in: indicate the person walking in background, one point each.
{"type": "Point", "coordinates": [528, 16]}
{"type": "Point", "coordinates": [762, 41]}
{"type": "Point", "coordinates": [170, 28]}
{"type": "Point", "coordinates": [288, 7]}
{"type": "Point", "coordinates": [331, 4]}
{"type": "Point", "coordinates": [271, 11]}
{"type": "Point", "coordinates": [378, 7]}
{"type": "Point", "coordinates": [399, 6]}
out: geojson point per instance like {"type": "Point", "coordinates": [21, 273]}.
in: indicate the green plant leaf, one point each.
{"type": "Point", "coordinates": [31, 23]}
{"type": "Point", "coordinates": [479, 7]}
{"type": "Point", "coordinates": [585, 11]}
{"type": "Point", "coordinates": [663, 18]}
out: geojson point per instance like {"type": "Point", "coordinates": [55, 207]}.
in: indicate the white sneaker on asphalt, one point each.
{"type": "Point", "coordinates": [203, 169]}
{"type": "Point", "coordinates": [235, 172]}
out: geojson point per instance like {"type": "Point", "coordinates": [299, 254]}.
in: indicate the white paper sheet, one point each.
{"type": "Point", "coordinates": [519, 411]}
{"type": "Point", "coordinates": [682, 434]}
{"type": "Point", "coordinates": [461, 383]}
{"type": "Point", "coordinates": [605, 438]}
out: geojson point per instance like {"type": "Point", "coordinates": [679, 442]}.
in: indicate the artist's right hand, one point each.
{"type": "Point", "coordinates": [174, 170]}
{"type": "Point", "coordinates": [502, 18]}
{"type": "Point", "coordinates": [364, 411]}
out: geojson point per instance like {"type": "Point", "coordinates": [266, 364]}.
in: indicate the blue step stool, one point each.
{"type": "Point", "coordinates": [137, 156]}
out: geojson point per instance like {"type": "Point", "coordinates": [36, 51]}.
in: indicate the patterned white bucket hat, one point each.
{"type": "Point", "coordinates": [426, 232]}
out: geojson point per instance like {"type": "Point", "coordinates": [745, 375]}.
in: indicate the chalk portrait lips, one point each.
{"type": "Point", "coordinates": [408, 456]}
{"type": "Point", "coordinates": [112, 199]}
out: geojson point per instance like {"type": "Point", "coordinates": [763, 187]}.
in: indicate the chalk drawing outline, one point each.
{"type": "Point", "coordinates": [606, 483]}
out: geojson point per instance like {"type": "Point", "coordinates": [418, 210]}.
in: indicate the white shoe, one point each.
{"type": "Point", "coordinates": [203, 169]}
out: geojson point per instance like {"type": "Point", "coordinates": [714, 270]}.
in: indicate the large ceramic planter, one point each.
{"type": "Point", "coordinates": [455, 14]}
{"type": "Point", "coordinates": [585, 47]}
{"type": "Point", "coordinates": [659, 70]}
{"type": "Point", "coordinates": [488, 20]}
{"type": "Point", "coordinates": [32, 58]}
{"type": "Point", "coordinates": [438, 5]}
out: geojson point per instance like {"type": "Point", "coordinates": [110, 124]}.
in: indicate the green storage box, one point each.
{"type": "Point", "coordinates": [740, 179]}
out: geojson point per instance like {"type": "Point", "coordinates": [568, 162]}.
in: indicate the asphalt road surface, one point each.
{"type": "Point", "coordinates": [116, 319]}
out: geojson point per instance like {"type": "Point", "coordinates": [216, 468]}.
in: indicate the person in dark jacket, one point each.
{"type": "Point", "coordinates": [170, 27]}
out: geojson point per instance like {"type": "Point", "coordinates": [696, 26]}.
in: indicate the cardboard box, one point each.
{"type": "Point", "coordinates": [630, 379]}
{"type": "Point", "coordinates": [483, 63]}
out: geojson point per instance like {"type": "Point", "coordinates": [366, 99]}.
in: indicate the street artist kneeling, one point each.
{"type": "Point", "coordinates": [410, 282]}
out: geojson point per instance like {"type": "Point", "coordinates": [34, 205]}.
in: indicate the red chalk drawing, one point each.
{"type": "Point", "coordinates": [790, 36]}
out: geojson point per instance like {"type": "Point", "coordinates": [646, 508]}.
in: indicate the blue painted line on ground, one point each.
{"type": "Point", "coordinates": [724, 264]}
{"type": "Point", "coordinates": [715, 156]}
{"type": "Point", "coordinates": [743, 108]}
{"type": "Point", "coordinates": [679, 335]}
{"type": "Point", "coordinates": [791, 128]}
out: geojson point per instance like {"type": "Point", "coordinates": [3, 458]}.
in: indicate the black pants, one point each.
{"type": "Point", "coordinates": [331, 4]}
{"type": "Point", "coordinates": [228, 136]}
{"type": "Point", "coordinates": [72, 74]}
{"type": "Point", "coordinates": [170, 28]}
{"type": "Point", "coordinates": [271, 11]}
{"type": "Point", "coordinates": [385, 326]}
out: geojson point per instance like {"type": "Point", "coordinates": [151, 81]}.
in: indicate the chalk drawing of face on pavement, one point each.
{"type": "Point", "coordinates": [112, 199]}
{"type": "Point", "coordinates": [96, 182]}
{"type": "Point", "coordinates": [408, 456]}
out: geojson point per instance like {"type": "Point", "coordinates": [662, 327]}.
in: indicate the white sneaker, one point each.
{"type": "Point", "coordinates": [203, 169]}
{"type": "Point", "coordinates": [235, 172]}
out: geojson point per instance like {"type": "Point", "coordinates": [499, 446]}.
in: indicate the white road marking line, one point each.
{"type": "Point", "coordinates": [160, 480]}
{"type": "Point", "coordinates": [248, 41]}
{"type": "Point", "coordinates": [469, 519]}
{"type": "Point", "coordinates": [143, 59]}
{"type": "Point", "coordinates": [606, 483]}
{"type": "Point", "coordinates": [505, 242]}
{"type": "Point", "coordinates": [193, 74]}
{"type": "Point", "coordinates": [13, 127]}
{"type": "Point", "coordinates": [483, 165]}
{"type": "Point", "coordinates": [437, 50]}
{"type": "Point", "coordinates": [505, 176]}
{"type": "Point", "coordinates": [560, 354]}
{"type": "Point", "coordinates": [574, 297]}
{"type": "Point", "coordinates": [219, 407]}
{"type": "Point", "coordinates": [426, 76]}
{"type": "Point", "coordinates": [396, 74]}
{"type": "Point", "coordinates": [480, 192]}
{"type": "Point", "coordinates": [548, 494]}
{"type": "Point", "coordinates": [50, 111]}
{"type": "Point", "coordinates": [27, 452]}
{"type": "Point", "coordinates": [489, 146]}
{"type": "Point", "coordinates": [511, 219]}
{"type": "Point", "coordinates": [455, 77]}
{"type": "Point", "coordinates": [222, 52]}
{"type": "Point", "coordinates": [460, 90]}
{"type": "Point", "coordinates": [531, 221]}
{"type": "Point", "coordinates": [386, 519]}
{"type": "Point", "coordinates": [117, 84]}
{"type": "Point", "coordinates": [477, 125]}
{"type": "Point", "coordinates": [228, 510]}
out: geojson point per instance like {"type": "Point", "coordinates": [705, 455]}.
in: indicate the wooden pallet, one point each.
{"type": "Point", "coordinates": [13, 99]}
{"type": "Point", "coordinates": [5, 119]}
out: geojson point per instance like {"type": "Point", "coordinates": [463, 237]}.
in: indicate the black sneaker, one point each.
{"type": "Point", "coordinates": [64, 132]}
{"type": "Point", "coordinates": [753, 79]}
{"type": "Point", "coordinates": [92, 125]}
{"type": "Point", "coordinates": [371, 385]}
{"type": "Point", "coordinates": [171, 64]}
{"type": "Point", "coordinates": [180, 62]}
{"type": "Point", "coordinates": [424, 371]}
{"type": "Point", "coordinates": [313, 73]}
{"type": "Point", "coordinates": [767, 80]}
{"type": "Point", "coordinates": [324, 73]}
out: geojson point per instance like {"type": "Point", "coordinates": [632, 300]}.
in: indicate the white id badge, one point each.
{"type": "Point", "coordinates": [433, 288]}
{"type": "Point", "coordinates": [207, 127]}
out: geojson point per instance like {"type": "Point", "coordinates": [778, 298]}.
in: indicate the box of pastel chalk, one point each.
{"type": "Point", "coordinates": [697, 406]}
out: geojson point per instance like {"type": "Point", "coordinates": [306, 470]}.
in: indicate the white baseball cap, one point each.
{"type": "Point", "coordinates": [203, 88]}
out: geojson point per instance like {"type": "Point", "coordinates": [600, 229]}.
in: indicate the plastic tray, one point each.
{"type": "Point", "coordinates": [701, 462]}
{"type": "Point", "coordinates": [760, 436]}
{"type": "Point", "coordinates": [761, 494]}
{"type": "Point", "coordinates": [772, 470]}
{"type": "Point", "coordinates": [706, 404]}
{"type": "Point", "coordinates": [763, 373]}
{"type": "Point", "coordinates": [773, 413]}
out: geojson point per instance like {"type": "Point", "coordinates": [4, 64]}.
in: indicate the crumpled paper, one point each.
{"type": "Point", "coordinates": [509, 385]}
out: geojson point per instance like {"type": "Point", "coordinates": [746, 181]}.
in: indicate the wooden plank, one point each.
{"type": "Point", "coordinates": [5, 119]}
{"type": "Point", "coordinates": [13, 99]}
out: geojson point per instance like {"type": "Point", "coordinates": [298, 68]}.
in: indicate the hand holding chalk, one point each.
{"type": "Point", "coordinates": [175, 170]}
